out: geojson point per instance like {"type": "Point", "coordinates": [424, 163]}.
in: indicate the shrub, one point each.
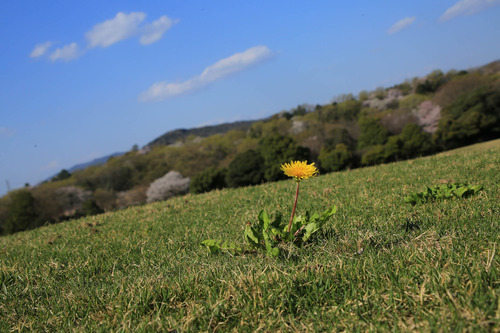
{"type": "Point", "coordinates": [64, 174]}
{"type": "Point", "coordinates": [171, 184]}
{"type": "Point", "coordinates": [22, 215]}
{"type": "Point", "coordinates": [374, 155]}
{"type": "Point", "coordinates": [105, 199]}
{"type": "Point", "coordinates": [416, 142]}
{"type": "Point", "coordinates": [339, 135]}
{"type": "Point", "coordinates": [334, 160]}
{"type": "Point", "coordinates": [372, 132]}
{"type": "Point", "coordinates": [208, 180]}
{"type": "Point", "coordinates": [474, 116]}
{"type": "Point", "coordinates": [245, 169]}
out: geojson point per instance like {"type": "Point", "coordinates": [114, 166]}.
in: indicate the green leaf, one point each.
{"type": "Point", "coordinates": [461, 191]}
{"type": "Point", "coordinates": [477, 188]}
{"type": "Point", "coordinates": [251, 236]}
{"type": "Point", "coordinates": [274, 252]}
{"type": "Point", "coordinates": [212, 244]}
{"type": "Point", "coordinates": [328, 213]}
{"type": "Point", "coordinates": [441, 192]}
{"type": "Point", "coordinates": [310, 229]}
{"type": "Point", "coordinates": [277, 220]}
{"type": "Point", "coordinates": [264, 219]}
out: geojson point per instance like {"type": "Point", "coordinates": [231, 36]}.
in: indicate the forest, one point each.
{"type": "Point", "coordinates": [418, 117]}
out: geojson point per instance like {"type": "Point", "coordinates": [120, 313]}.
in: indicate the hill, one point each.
{"type": "Point", "coordinates": [172, 137]}
{"type": "Point", "coordinates": [96, 161]}
{"type": "Point", "coordinates": [382, 265]}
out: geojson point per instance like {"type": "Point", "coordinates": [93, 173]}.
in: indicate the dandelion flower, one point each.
{"type": "Point", "coordinates": [299, 170]}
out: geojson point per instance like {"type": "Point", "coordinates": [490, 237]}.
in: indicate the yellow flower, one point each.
{"type": "Point", "coordinates": [299, 170]}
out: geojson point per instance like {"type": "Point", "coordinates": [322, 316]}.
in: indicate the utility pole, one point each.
{"type": "Point", "coordinates": [8, 185]}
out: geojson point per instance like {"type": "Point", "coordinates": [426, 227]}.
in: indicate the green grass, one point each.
{"type": "Point", "coordinates": [382, 265]}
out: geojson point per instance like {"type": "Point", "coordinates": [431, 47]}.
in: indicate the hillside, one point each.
{"type": "Point", "coordinates": [382, 265]}
{"type": "Point", "coordinates": [172, 137]}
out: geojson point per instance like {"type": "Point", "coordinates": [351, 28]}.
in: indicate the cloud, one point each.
{"type": "Point", "coordinates": [467, 7]}
{"type": "Point", "coordinates": [6, 132]}
{"type": "Point", "coordinates": [401, 24]}
{"type": "Point", "coordinates": [109, 32]}
{"type": "Point", "coordinates": [112, 31]}
{"type": "Point", "coordinates": [40, 49]}
{"type": "Point", "coordinates": [154, 31]}
{"type": "Point", "coordinates": [222, 68]}
{"type": "Point", "coordinates": [65, 53]}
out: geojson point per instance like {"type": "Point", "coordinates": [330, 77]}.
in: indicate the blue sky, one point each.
{"type": "Point", "coordinates": [80, 80]}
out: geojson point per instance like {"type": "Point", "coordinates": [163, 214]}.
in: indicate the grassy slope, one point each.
{"type": "Point", "coordinates": [384, 264]}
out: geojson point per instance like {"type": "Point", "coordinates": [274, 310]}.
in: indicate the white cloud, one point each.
{"type": "Point", "coordinates": [6, 132]}
{"type": "Point", "coordinates": [109, 32]}
{"type": "Point", "coordinates": [401, 24]}
{"type": "Point", "coordinates": [154, 31]}
{"type": "Point", "coordinates": [467, 7]}
{"type": "Point", "coordinates": [235, 63]}
{"type": "Point", "coordinates": [65, 53]}
{"type": "Point", "coordinates": [40, 49]}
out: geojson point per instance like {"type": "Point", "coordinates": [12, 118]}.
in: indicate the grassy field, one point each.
{"type": "Point", "coordinates": [382, 265]}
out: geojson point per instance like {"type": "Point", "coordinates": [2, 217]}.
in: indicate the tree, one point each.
{"type": "Point", "coordinates": [334, 160]}
{"type": "Point", "coordinates": [372, 132]}
{"type": "Point", "coordinates": [170, 185]}
{"type": "Point", "coordinates": [21, 214]}
{"type": "Point", "coordinates": [90, 207]}
{"type": "Point", "coordinates": [62, 175]}
{"type": "Point", "coordinates": [245, 169]}
{"type": "Point", "coordinates": [339, 135]}
{"type": "Point", "coordinates": [416, 142]}
{"type": "Point", "coordinates": [276, 150]}
{"type": "Point", "coordinates": [208, 180]}
{"type": "Point", "coordinates": [374, 155]}
{"type": "Point", "coordinates": [432, 82]}
{"type": "Point", "coordinates": [473, 117]}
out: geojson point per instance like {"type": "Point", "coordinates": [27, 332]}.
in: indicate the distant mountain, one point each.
{"type": "Point", "coordinates": [172, 137]}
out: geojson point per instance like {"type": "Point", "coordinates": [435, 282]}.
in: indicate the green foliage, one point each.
{"type": "Point", "coordinates": [64, 174]}
{"type": "Point", "coordinates": [412, 102]}
{"type": "Point", "coordinates": [474, 116]}
{"type": "Point", "coordinates": [339, 135]}
{"type": "Point", "coordinates": [335, 112]}
{"type": "Point", "coordinates": [105, 199]}
{"type": "Point", "coordinates": [337, 159]}
{"type": "Point", "coordinates": [245, 169]}
{"type": "Point", "coordinates": [441, 192]}
{"type": "Point", "coordinates": [208, 180]}
{"type": "Point", "coordinates": [276, 150]}
{"type": "Point", "coordinates": [374, 155]}
{"type": "Point", "coordinates": [433, 81]}
{"type": "Point", "coordinates": [412, 142]}
{"type": "Point", "coordinates": [21, 213]}
{"type": "Point", "coordinates": [90, 207]}
{"type": "Point", "coordinates": [372, 132]}
{"type": "Point", "coordinates": [174, 136]}
{"type": "Point", "coordinates": [271, 236]}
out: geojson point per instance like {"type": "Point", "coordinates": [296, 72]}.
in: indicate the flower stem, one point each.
{"type": "Point", "coordinates": [294, 206]}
